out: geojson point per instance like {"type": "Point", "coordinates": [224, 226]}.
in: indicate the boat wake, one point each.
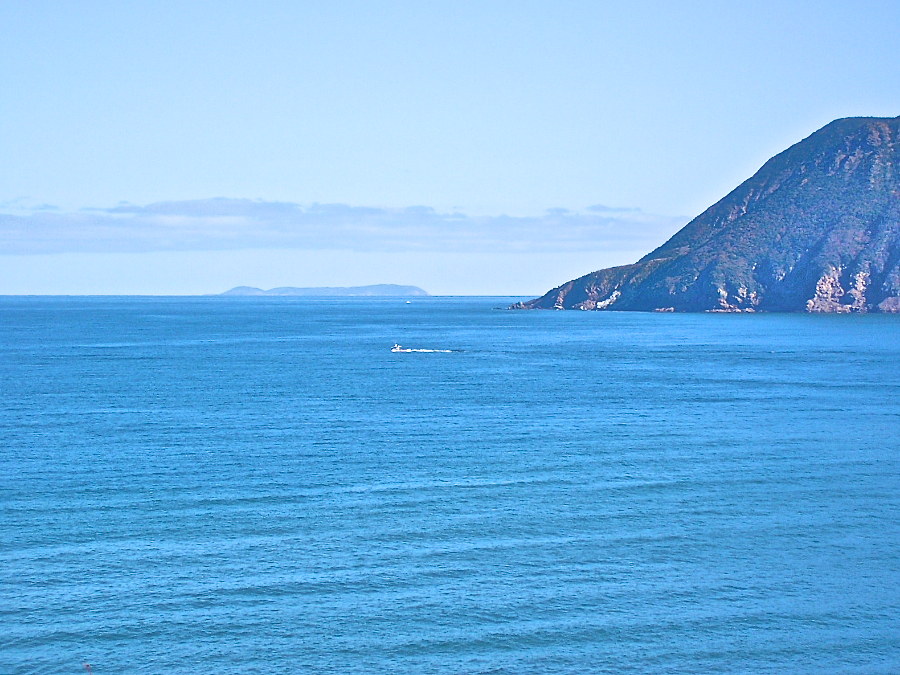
{"type": "Point", "coordinates": [398, 348]}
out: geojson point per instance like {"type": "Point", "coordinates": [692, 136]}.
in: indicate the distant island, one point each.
{"type": "Point", "coordinates": [816, 229]}
{"type": "Point", "coordinates": [378, 290]}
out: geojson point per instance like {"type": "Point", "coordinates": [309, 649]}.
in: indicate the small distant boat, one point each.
{"type": "Point", "coordinates": [398, 348]}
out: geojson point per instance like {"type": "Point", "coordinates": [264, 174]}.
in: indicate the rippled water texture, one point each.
{"type": "Point", "coordinates": [261, 486]}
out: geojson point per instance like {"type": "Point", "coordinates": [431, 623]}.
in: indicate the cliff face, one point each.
{"type": "Point", "coordinates": [817, 229]}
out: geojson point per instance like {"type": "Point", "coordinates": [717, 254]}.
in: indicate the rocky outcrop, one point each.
{"type": "Point", "coordinates": [816, 229]}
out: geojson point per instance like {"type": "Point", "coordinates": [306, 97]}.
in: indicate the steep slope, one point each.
{"type": "Point", "coordinates": [816, 229]}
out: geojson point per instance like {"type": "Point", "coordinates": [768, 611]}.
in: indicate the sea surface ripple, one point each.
{"type": "Point", "coordinates": [220, 485]}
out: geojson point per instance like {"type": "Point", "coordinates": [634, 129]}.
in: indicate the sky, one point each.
{"type": "Point", "coordinates": [464, 147]}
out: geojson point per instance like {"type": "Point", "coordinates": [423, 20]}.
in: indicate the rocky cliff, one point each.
{"type": "Point", "coordinates": [817, 229]}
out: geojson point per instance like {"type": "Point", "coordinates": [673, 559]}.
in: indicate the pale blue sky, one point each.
{"type": "Point", "coordinates": [479, 108]}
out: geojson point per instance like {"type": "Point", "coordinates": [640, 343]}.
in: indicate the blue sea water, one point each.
{"type": "Point", "coordinates": [222, 485]}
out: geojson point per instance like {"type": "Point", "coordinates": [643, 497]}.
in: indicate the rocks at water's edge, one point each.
{"type": "Point", "coordinates": [817, 229]}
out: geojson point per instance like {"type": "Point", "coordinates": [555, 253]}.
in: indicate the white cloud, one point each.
{"type": "Point", "coordinates": [239, 224]}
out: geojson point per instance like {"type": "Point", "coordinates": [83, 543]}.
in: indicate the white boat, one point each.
{"type": "Point", "coordinates": [398, 348]}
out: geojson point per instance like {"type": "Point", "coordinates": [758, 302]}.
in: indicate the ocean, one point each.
{"type": "Point", "coordinates": [260, 485]}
